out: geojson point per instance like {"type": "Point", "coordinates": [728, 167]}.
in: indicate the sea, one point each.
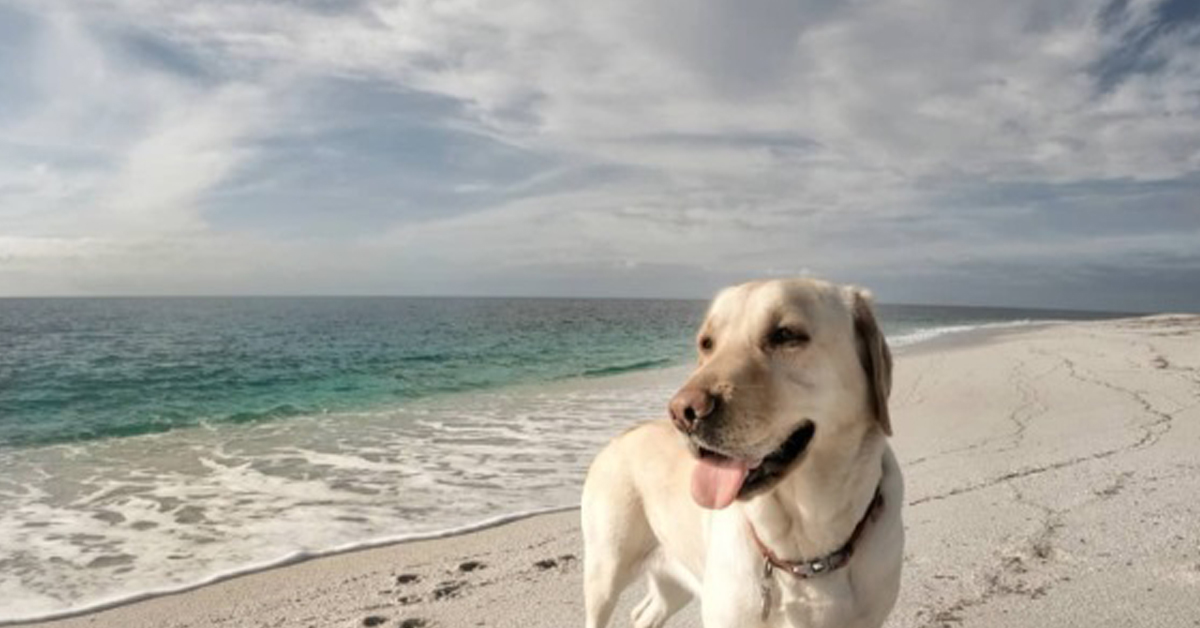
{"type": "Point", "coordinates": [153, 444]}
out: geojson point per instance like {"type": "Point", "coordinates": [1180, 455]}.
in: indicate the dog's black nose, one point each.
{"type": "Point", "coordinates": [689, 405]}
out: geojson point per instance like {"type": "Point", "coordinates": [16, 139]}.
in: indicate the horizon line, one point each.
{"type": "Point", "coordinates": [1046, 308]}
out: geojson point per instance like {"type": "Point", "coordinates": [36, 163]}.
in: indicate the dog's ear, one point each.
{"type": "Point", "coordinates": [875, 356]}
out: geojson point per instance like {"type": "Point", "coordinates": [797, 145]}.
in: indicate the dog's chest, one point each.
{"type": "Point", "coordinates": [823, 602]}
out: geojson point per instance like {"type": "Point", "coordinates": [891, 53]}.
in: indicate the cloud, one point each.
{"type": "Point", "coordinates": [898, 142]}
{"type": "Point", "coordinates": [191, 149]}
{"type": "Point", "coordinates": [115, 148]}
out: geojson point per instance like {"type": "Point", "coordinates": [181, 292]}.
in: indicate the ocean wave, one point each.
{"type": "Point", "coordinates": [618, 369]}
{"type": "Point", "coordinates": [290, 559]}
{"type": "Point", "coordinates": [281, 411]}
{"type": "Point", "coordinates": [158, 423]}
{"type": "Point", "coordinates": [167, 419]}
{"type": "Point", "coordinates": [925, 334]}
{"type": "Point", "coordinates": [191, 507]}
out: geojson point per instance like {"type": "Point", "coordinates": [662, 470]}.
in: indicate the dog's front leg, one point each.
{"type": "Point", "coordinates": [729, 603]}
{"type": "Point", "coordinates": [732, 590]}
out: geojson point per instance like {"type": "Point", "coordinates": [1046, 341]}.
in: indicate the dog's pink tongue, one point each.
{"type": "Point", "coordinates": [716, 481]}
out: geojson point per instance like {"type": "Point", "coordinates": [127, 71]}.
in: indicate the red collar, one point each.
{"type": "Point", "coordinates": [830, 562]}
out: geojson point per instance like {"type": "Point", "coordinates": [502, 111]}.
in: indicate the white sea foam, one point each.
{"type": "Point", "coordinates": [925, 334]}
{"type": "Point", "coordinates": [289, 559]}
{"type": "Point", "coordinates": [109, 521]}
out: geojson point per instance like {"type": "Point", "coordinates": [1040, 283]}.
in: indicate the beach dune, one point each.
{"type": "Point", "coordinates": [1052, 479]}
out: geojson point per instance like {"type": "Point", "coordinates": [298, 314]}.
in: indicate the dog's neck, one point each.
{"type": "Point", "coordinates": [815, 507]}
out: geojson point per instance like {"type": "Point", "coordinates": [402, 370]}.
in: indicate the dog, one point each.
{"type": "Point", "coordinates": [771, 493]}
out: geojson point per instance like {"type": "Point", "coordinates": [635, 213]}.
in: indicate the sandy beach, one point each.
{"type": "Point", "coordinates": [1052, 477]}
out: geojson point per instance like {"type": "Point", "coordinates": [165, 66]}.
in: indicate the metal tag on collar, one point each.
{"type": "Point", "coordinates": [764, 588]}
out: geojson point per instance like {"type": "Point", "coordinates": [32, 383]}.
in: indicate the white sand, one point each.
{"type": "Point", "coordinates": [1053, 480]}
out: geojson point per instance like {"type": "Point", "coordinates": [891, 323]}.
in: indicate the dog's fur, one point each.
{"type": "Point", "coordinates": [835, 372]}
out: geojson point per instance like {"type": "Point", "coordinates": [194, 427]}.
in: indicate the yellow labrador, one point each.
{"type": "Point", "coordinates": [771, 493]}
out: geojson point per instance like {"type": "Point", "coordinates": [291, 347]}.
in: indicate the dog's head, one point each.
{"type": "Point", "coordinates": [780, 361]}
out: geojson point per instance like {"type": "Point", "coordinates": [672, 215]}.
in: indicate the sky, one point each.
{"type": "Point", "coordinates": [1025, 153]}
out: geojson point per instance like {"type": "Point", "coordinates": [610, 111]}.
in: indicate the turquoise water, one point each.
{"type": "Point", "coordinates": [150, 444]}
{"type": "Point", "coordinates": [75, 369]}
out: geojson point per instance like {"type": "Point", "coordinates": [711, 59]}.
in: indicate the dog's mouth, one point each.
{"type": "Point", "coordinates": [718, 479]}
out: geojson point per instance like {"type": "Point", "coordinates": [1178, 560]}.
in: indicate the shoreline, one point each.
{"type": "Point", "coordinates": [456, 554]}
{"type": "Point", "coordinates": [296, 558]}
{"type": "Point", "coordinates": [958, 342]}
{"type": "Point", "coordinates": [976, 336]}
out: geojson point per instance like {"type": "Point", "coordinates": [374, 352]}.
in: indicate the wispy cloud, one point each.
{"type": "Point", "coordinates": [934, 148]}
{"type": "Point", "coordinates": [191, 149]}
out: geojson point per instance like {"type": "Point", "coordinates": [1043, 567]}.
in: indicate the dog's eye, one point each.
{"type": "Point", "coordinates": [787, 336]}
{"type": "Point", "coordinates": [706, 344]}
